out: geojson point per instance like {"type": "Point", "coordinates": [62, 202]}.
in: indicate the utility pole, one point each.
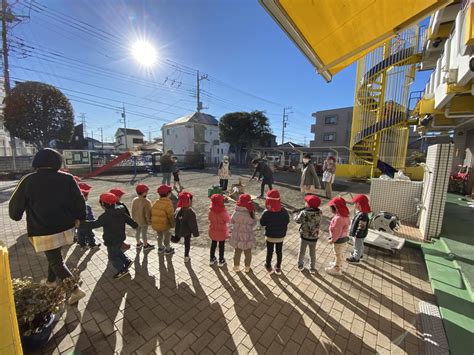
{"type": "Point", "coordinates": [101, 136]}
{"type": "Point", "coordinates": [83, 121]}
{"type": "Point", "coordinates": [304, 144]}
{"type": "Point", "coordinates": [284, 122]}
{"type": "Point", "coordinates": [149, 134]}
{"type": "Point", "coordinates": [92, 134]}
{"type": "Point", "coordinates": [198, 89]}
{"type": "Point", "coordinates": [124, 120]}
{"type": "Point", "coordinates": [6, 69]}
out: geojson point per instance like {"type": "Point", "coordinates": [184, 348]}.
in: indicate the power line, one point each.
{"type": "Point", "coordinates": [115, 40]}
{"type": "Point", "coordinates": [98, 86]}
{"type": "Point", "coordinates": [52, 56]}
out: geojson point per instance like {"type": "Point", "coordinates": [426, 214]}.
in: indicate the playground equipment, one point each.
{"type": "Point", "coordinates": [380, 119]}
{"type": "Point", "coordinates": [109, 165]}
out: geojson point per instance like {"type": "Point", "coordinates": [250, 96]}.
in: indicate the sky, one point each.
{"type": "Point", "coordinates": [84, 48]}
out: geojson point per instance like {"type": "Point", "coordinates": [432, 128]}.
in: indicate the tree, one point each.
{"type": "Point", "coordinates": [38, 113]}
{"type": "Point", "coordinates": [243, 129]}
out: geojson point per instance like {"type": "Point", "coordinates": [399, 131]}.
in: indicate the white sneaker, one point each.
{"type": "Point", "coordinates": [46, 283]}
{"type": "Point", "coordinates": [236, 268]}
{"type": "Point", "coordinates": [334, 270]}
{"type": "Point", "coordinates": [76, 295]}
{"type": "Point", "coordinates": [187, 259]}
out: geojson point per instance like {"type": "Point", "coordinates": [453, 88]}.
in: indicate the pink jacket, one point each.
{"type": "Point", "coordinates": [218, 229]}
{"type": "Point", "coordinates": [339, 227]}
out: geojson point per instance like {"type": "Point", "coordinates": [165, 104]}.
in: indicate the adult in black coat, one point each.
{"type": "Point", "coordinates": [265, 174]}
{"type": "Point", "coordinates": [53, 204]}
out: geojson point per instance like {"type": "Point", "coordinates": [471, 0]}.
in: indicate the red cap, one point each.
{"type": "Point", "coordinates": [184, 199]}
{"type": "Point", "coordinates": [217, 203]}
{"type": "Point", "coordinates": [141, 188]}
{"type": "Point", "coordinates": [363, 201]}
{"type": "Point", "coordinates": [84, 186]}
{"type": "Point", "coordinates": [245, 200]}
{"type": "Point", "coordinates": [313, 201]}
{"type": "Point", "coordinates": [340, 205]}
{"type": "Point", "coordinates": [164, 190]}
{"type": "Point", "coordinates": [117, 192]}
{"type": "Point", "coordinates": [85, 193]}
{"type": "Point", "coordinates": [108, 198]}
{"type": "Point", "coordinates": [272, 201]}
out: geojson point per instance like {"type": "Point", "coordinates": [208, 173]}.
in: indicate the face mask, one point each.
{"type": "Point", "coordinates": [306, 161]}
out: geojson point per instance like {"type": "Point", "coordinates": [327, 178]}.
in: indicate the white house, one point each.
{"type": "Point", "coordinates": [126, 139]}
{"type": "Point", "coordinates": [197, 133]}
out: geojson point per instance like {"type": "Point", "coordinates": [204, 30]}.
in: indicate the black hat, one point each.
{"type": "Point", "coordinates": [48, 158]}
{"type": "Point", "coordinates": [307, 156]}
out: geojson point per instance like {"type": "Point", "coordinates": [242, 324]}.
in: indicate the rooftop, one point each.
{"type": "Point", "coordinates": [196, 117]}
{"type": "Point", "coordinates": [130, 131]}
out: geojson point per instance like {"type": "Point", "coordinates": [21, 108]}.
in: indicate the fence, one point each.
{"type": "Point", "coordinates": [144, 162]}
{"type": "Point", "coordinates": [23, 163]}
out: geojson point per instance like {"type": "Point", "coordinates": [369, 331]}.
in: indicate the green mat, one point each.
{"type": "Point", "coordinates": [458, 234]}
{"type": "Point", "coordinates": [449, 261]}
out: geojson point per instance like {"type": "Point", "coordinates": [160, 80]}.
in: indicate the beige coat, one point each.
{"type": "Point", "coordinates": [141, 211]}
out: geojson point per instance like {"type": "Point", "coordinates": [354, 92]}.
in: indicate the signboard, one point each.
{"type": "Point", "coordinates": [77, 158]}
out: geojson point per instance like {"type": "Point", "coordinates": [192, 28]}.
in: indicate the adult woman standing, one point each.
{"type": "Point", "coordinates": [309, 178]}
{"type": "Point", "coordinates": [53, 204]}
{"type": "Point", "coordinates": [329, 174]}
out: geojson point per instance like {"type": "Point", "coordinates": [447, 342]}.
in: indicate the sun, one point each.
{"type": "Point", "coordinates": [144, 53]}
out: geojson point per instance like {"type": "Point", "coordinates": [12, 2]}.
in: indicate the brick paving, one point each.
{"type": "Point", "coordinates": [167, 306]}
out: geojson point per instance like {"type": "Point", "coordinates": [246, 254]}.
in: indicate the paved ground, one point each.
{"type": "Point", "coordinates": [168, 306]}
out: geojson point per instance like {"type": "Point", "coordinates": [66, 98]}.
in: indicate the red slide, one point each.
{"type": "Point", "coordinates": [110, 164]}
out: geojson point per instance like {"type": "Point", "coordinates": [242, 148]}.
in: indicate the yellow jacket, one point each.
{"type": "Point", "coordinates": [162, 215]}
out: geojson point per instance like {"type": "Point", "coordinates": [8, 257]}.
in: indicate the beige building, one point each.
{"type": "Point", "coordinates": [332, 133]}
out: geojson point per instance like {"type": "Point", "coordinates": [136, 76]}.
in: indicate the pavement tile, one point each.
{"type": "Point", "coordinates": [167, 306]}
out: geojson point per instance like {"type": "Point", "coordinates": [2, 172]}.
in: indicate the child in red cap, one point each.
{"type": "Point", "coordinates": [186, 222]}
{"type": "Point", "coordinates": [275, 219]}
{"type": "Point", "coordinates": [310, 219]}
{"type": "Point", "coordinates": [338, 229]}
{"type": "Point", "coordinates": [118, 192]}
{"type": "Point", "coordinates": [85, 236]}
{"type": "Point", "coordinates": [162, 219]}
{"type": "Point", "coordinates": [359, 227]}
{"type": "Point", "coordinates": [218, 229]}
{"type": "Point", "coordinates": [243, 236]}
{"type": "Point", "coordinates": [113, 221]}
{"type": "Point", "coordinates": [141, 213]}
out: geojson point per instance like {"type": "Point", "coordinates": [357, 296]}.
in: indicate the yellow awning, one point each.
{"type": "Point", "coordinates": [335, 33]}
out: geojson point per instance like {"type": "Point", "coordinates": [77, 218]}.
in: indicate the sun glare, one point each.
{"type": "Point", "coordinates": [144, 53]}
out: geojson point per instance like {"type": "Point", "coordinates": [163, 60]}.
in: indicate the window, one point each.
{"type": "Point", "coordinates": [330, 119]}
{"type": "Point", "coordinates": [137, 141]}
{"type": "Point", "coordinates": [167, 132]}
{"type": "Point", "coordinates": [329, 137]}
